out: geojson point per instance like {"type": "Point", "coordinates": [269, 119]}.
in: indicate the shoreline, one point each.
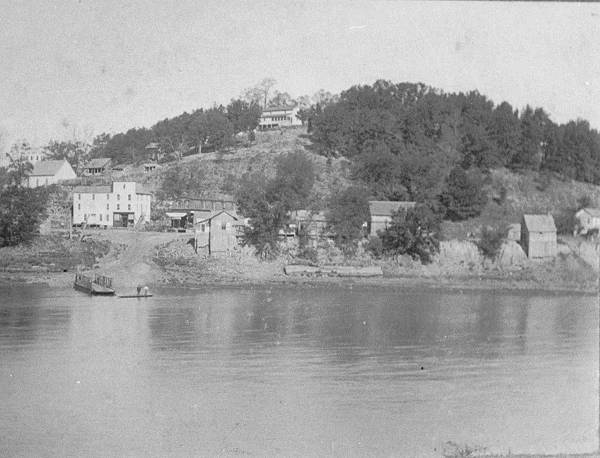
{"type": "Point", "coordinates": [170, 280]}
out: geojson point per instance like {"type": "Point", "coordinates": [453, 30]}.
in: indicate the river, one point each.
{"type": "Point", "coordinates": [296, 372]}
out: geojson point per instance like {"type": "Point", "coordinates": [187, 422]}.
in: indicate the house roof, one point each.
{"type": "Point", "coordinates": [217, 214]}
{"type": "Point", "coordinates": [98, 163]}
{"type": "Point", "coordinates": [102, 189]}
{"type": "Point", "coordinates": [47, 168]}
{"type": "Point", "coordinates": [387, 207]}
{"type": "Point", "coordinates": [279, 108]}
{"type": "Point", "coordinates": [539, 223]}
{"type": "Point", "coordinates": [593, 212]}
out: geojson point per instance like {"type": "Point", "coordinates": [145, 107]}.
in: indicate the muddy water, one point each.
{"type": "Point", "coordinates": [292, 372]}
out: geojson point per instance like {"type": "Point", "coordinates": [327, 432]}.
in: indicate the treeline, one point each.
{"type": "Point", "coordinates": [405, 139]}
{"type": "Point", "coordinates": [201, 130]}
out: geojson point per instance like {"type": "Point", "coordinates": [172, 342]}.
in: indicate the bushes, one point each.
{"type": "Point", "coordinates": [490, 241]}
{"type": "Point", "coordinates": [416, 234]}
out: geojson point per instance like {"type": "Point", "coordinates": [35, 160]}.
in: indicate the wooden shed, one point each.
{"type": "Point", "coordinates": [538, 236]}
{"type": "Point", "coordinates": [221, 230]}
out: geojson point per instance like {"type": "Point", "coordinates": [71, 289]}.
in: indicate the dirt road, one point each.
{"type": "Point", "coordinates": [130, 262]}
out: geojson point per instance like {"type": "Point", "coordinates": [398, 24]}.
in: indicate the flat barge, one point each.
{"type": "Point", "coordinates": [98, 285]}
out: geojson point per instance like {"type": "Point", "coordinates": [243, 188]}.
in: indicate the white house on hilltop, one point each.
{"type": "Point", "coordinates": [122, 204]}
{"type": "Point", "coordinates": [280, 116]}
{"type": "Point", "coordinates": [49, 172]}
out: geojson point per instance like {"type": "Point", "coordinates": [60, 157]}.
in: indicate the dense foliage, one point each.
{"type": "Point", "coordinates": [405, 138]}
{"type": "Point", "coordinates": [201, 130]}
{"type": "Point", "coordinates": [268, 202]}
{"type": "Point", "coordinates": [463, 196]}
{"type": "Point", "coordinates": [490, 241]}
{"type": "Point", "coordinates": [22, 209]}
{"type": "Point", "coordinates": [414, 233]}
{"type": "Point", "coordinates": [348, 211]}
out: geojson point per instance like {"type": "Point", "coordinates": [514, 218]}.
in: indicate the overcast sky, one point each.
{"type": "Point", "coordinates": [81, 66]}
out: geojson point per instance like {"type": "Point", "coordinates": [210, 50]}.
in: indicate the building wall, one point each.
{"type": "Point", "coordinates": [279, 118]}
{"type": "Point", "coordinates": [100, 208]}
{"type": "Point", "coordinates": [222, 234]}
{"type": "Point", "coordinates": [539, 245]}
{"type": "Point", "coordinates": [379, 223]}
{"type": "Point", "coordinates": [66, 172]}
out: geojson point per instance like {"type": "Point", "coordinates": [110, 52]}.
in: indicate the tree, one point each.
{"type": "Point", "coordinates": [243, 116]}
{"type": "Point", "coordinates": [267, 203]}
{"type": "Point", "coordinates": [293, 182]}
{"type": "Point", "coordinates": [381, 172]}
{"type": "Point", "coordinates": [260, 92]}
{"type": "Point", "coordinates": [347, 215]}
{"type": "Point", "coordinates": [281, 99]}
{"type": "Point", "coordinates": [464, 196]}
{"type": "Point", "coordinates": [414, 233]}
{"type": "Point", "coordinates": [266, 215]}
{"type": "Point", "coordinates": [76, 152]}
{"type": "Point", "coordinates": [22, 209]}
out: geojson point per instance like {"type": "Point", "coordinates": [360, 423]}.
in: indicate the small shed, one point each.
{"type": "Point", "coordinates": [381, 213]}
{"type": "Point", "coordinates": [538, 236]}
{"type": "Point", "coordinates": [222, 232]}
{"type": "Point", "coordinates": [587, 220]}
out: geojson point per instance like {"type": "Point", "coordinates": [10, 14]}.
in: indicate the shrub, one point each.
{"type": "Point", "coordinates": [375, 246]}
{"type": "Point", "coordinates": [565, 221]}
{"type": "Point", "coordinates": [415, 234]}
{"type": "Point", "coordinates": [464, 196]}
{"type": "Point", "coordinates": [490, 241]}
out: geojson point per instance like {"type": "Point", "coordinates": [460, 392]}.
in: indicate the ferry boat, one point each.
{"type": "Point", "coordinates": [97, 285]}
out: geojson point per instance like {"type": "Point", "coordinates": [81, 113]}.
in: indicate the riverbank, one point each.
{"type": "Point", "coordinates": [167, 260]}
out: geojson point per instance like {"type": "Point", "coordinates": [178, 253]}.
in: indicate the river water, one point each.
{"type": "Point", "coordinates": [296, 372]}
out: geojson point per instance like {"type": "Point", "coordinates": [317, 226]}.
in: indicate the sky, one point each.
{"type": "Point", "coordinates": [71, 69]}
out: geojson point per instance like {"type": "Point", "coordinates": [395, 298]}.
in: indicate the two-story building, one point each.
{"type": "Point", "coordinates": [122, 204]}
{"type": "Point", "coordinates": [280, 116]}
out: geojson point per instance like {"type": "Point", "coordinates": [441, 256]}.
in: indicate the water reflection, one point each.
{"type": "Point", "coordinates": [311, 372]}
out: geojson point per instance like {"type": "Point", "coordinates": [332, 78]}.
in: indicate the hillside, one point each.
{"type": "Point", "coordinates": [221, 170]}
{"type": "Point", "coordinates": [511, 194]}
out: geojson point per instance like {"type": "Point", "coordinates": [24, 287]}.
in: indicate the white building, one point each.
{"type": "Point", "coordinates": [282, 116]}
{"type": "Point", "coordinates": [122, 204]}
{"type": "Point", "coordinates": [587, 220]}
{"type": "Point", "coordinates": [49, 172]}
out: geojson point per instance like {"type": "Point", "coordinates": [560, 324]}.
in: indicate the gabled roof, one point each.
{"type": "Point", "coordinates": [593, 212]}
{"type": "Point", "coordinates": [539, 223]}
{"type": "Point", "coordinates": [217, 214]}
{"type": "Point", "coordinates": [47, 168]}
{"type": "Point", "coordinates": [103, 189]}
{"type": "Point", "coordinates": [387, 207]}
{"type": "Point", "coordinates": [98, 163]}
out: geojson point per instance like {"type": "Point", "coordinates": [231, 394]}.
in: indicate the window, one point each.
{"type": "Point", "coordinates": [108, 206]}
{"type": "Point", "coordinates": [128, 196]}
{"type": "Point", "coordinates": [123, 185]}
{"type": "Point", "coordinates": [118, 196]}
{"type": "Point", "coordinates": [107, 196]}
{"type": "Point", "coordinates": [93, 196]}
{"type": "Point", "coordinates": [100, 216]}
{"type": "Point", "coordinates": [128, 206]}
{"type": "Point", "coordinates": [107, 217]}
{"type": "Point", "coordinates": [223, 226]}
{"type": "Point", "coordinates": [79, 196]}
{"type": "Point", "coordinates": [78, 206]}
{"type": "Point", "coordinates": [118, 206]}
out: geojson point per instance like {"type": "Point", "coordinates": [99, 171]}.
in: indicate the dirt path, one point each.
{"type": "Point", "coordinates": [133, 266]}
